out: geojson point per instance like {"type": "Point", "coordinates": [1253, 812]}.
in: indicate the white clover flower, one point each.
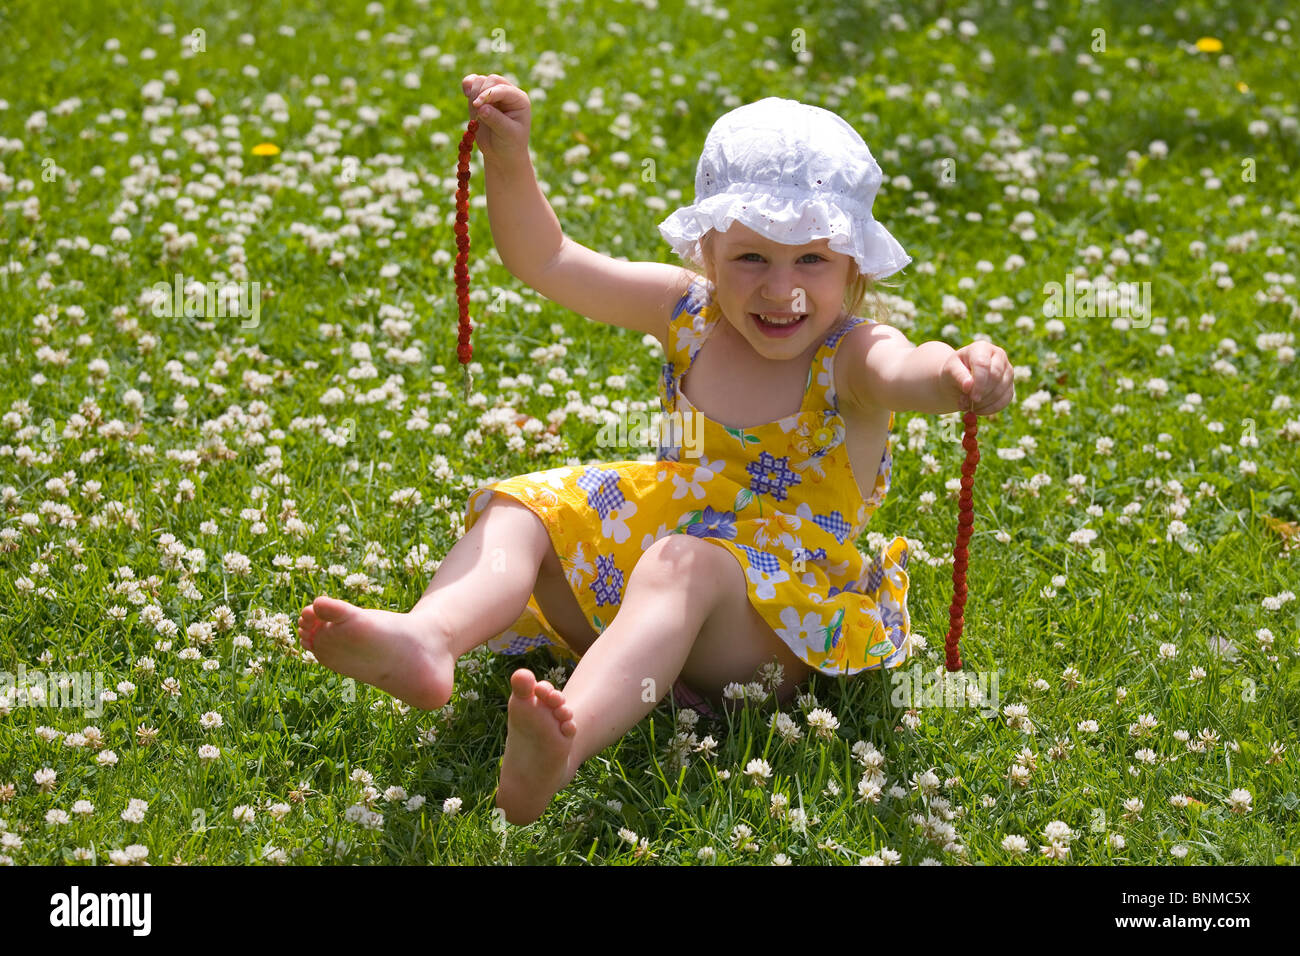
{"type": "Point", "coordinates": [759, 771]}
{"type": "Point", "coordinates": [823, 722]}
{"type": "Point", "coordinates": [360, 814]}
{"type": "Point", "coordinates": [868, 791]}
{"type": "Point", "coordinates": [1239, 801]}
{"type": "Point", "coordinates": [135, 810]}
{"type": "Point", "coordinates": [926, 783]}
{"type": "Point", "coordinates": [1056, 851]}
{"type": "Point", "coordinates": [1015, 844]}
{"type": "Point", "coordinates": [785, 727]}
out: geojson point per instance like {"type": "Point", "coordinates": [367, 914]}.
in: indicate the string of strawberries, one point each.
{"type": "Point", "coordinates": [464, 351]}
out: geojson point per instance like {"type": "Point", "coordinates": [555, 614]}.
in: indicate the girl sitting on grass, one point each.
{"type": "Point", "coordinates": [730, 560]}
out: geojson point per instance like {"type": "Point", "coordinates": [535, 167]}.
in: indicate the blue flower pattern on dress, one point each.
{"type": "Point", "coordinates": [763, 561]}
{"type": "Point", "coordinates": [713, 524]}
{"type": "Point", "coordinates": [835, 524]}
{"type": "Point", "coordinates": [772, 475]}
{"type": "Point", "coordinates": [602, 491]}
{"type": "Point", "coordinates": [608, 585]}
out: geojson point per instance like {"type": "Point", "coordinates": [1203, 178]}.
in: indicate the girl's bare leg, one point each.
{"type": "Point", "coordinates": [480, 589]}
{"type": "Point", "coordinates": [686, 612]}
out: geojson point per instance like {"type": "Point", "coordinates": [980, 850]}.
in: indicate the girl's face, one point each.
{"type": "Point", "coordinates": [754, 275]}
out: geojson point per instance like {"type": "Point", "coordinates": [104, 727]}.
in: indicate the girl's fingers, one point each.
{"type": "Point", "coordinates": [993, 406]}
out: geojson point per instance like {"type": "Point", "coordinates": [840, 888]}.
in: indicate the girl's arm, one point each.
{"type": "Point", "coordinates": [881, 368]}
{"type": "Point", "coordinates": [528, 238]}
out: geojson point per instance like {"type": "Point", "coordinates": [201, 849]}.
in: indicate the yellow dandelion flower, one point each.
{"type": "Point", "coordinates": [1243, 88]}
{"type": "Point", "coordinates": [1209, 45]}
{"type": "Point", "coordinates": [266, 149]}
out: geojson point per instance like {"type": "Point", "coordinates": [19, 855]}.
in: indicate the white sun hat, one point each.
{"type": "Point", "coordinates": [794, 173]}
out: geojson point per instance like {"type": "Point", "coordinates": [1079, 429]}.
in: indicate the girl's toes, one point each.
{"type": "Point", "coordinates": [522, 682]}
{"type": "Point", "coordinates": [563, 713]}
{"type": "Point", "coordinates": [568, 728]}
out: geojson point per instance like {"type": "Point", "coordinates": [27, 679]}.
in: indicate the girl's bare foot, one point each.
{"type": "Point", "coordinates": [401, 654]}
{"type": "Point", "coordinates": [539, 742]}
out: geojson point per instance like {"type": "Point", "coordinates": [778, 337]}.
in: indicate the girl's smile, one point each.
{"type": "Point", "coordinates": [776, 295]}
{"type": "Point", "coordinates": [777, 325]}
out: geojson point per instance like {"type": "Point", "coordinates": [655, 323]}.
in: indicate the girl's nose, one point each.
{"type": "Point", "coordinates": [779, 286]}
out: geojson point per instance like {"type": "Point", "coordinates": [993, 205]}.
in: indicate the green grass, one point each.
{"type": "Point", "coordinates": [286, 722]}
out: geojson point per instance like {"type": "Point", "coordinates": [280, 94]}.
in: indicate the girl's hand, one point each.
{"type": "Point", "coordinates": [504, 117]}
{"type": "Point", "coordinates": [979, 376]}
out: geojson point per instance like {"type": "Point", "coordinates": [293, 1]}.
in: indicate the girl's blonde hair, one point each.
{"type": "Point", "coordinates": [860, 289]}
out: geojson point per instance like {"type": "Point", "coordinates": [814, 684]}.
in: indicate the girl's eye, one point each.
{"type": "Point", "coordinates": [814, 255]}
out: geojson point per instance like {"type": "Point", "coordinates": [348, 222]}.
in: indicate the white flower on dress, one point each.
{"type": "Point", "coordinates": [765, 583]}
{"type": "Point", "coordinates": [691, 337]}
{"type": "Point", "coordinates": [555, 477]}
{"type": "Point", "coordinates": [582, 571]}
{"type": "Point", "coordinates": [804, 635]}
{"type": "Point", "coordinates": [791, 422]}
{"type": "Point", "coordinates": [813, 464]}
{"type": "Point", "coordinates": [837, 570]}
{"type": "Point", "coordinates": [795, 544]}
{"type": "Point", "coordinates": [614, 524]}
{"type": "Point", "coordinates": [704, 471]}
{"type": "Point", "coordinates": [826, 374]}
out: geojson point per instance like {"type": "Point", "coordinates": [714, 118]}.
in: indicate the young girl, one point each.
{"type": "Point", "coordinates": [733, 559]}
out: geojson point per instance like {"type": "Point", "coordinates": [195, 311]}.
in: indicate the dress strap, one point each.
{"type": "Point", "coordinates": [685, 322]}
{"type": "Point", "coordinates": [683, 342]}
{"type": "Point", "coordinates": [821, 374]}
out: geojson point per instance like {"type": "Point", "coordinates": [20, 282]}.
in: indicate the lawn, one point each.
{"type": "Point", "coordinates": [176, 487]}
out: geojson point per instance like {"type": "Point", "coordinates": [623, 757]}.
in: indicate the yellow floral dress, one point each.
{"type": "Point", "coordinates": [780, 497]}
